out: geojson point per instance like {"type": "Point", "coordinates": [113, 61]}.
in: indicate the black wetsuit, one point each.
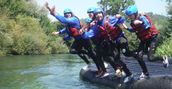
{"type": "Point", "coordinates": [117, 46]}
{"type": "Point", "coordinates": [99, 52]}
{"type": "Point", "coordinates": [148, 47]}
{"type": "Point", "coordinates": [122, 43]}
{"type": "Point", "coordinates": [83, 46]}
{"type": "Point", "coordinates": [106, 51]}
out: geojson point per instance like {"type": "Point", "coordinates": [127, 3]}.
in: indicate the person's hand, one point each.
{"type": "Point", "coordinates": [107, 16]}
{"type": "Point", "coordinates": [81, 31]}
{"type": "Point", "coordinates": [46, 5]}
{"type": "Point", "coordinates": [55, 33]}
{"type": "Point", "coordinates": [124, 26]}
{"type": "Point", "coordinates": [107, 19]}
{"type": "Point", "coordinates": [136, 22]}
{"type": "Point", "coordinates": [118, 16]}
{"type": "Point", "coordinates": [53, 9]}
{"type": "Point", "coordinates": [92, 23]}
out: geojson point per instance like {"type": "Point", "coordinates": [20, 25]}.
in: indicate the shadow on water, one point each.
{"type": "Point", "coordinates": [43, 72]}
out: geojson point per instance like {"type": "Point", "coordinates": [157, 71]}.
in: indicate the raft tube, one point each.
{"type": "Point", "coordinates": [160, 78]}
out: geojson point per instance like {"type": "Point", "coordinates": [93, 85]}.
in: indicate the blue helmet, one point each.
{"type": "Point", "coordinates": [67, 11]}
{"type": "Point", "coordinates": [131, 10]}
{"type": "Point", "coordinates": [91, 9]}
{"type": "Point", "coordinates": [88, 20]}
{"type": "Point", "coordinates": [97, 10]}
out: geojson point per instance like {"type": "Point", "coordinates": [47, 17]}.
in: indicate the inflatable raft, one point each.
{"type": "Point", "coordinates": [160, 77]}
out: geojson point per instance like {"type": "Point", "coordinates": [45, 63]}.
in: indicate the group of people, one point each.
{"type": "Point", "coordinates": [106, 34]}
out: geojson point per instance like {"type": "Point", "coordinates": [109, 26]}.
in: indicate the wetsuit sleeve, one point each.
{"type": "Point", "coordinates": [130, 29]}
{"type": "Point", "coordinates": [88, 34]}
{"type": "Point", "coordinates": [146, 24]}
{"type": "Point", "coordinates": [67, 37]}
{"type": "Point", "coordinates": [91, 32]}
{"type": "Point", "coordinates": [62, 19]}
{"type": "Point", "coordinates": [113, 20]}
{"type": "Point", "coordinates": [63, 31]}
{"type": "Point", "coordinates": [121, 20]}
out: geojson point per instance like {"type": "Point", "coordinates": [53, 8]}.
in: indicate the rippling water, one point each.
{"type": "Point", "coordinates": [43, 72]}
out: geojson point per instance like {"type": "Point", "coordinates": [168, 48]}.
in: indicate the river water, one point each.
{"type": "Point", "coordinates": [59, 71]}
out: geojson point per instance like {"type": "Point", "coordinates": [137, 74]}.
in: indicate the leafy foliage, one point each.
{"type": "Point", "coordinates": [25, 29]}
{"type": "Point", "coordinates": [114, 6]}
{"type": "Point", "coordinates": [165, 49]}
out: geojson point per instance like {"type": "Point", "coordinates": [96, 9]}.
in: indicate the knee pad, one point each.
{"type": "Point", "coordinates": [138, 55]}
{"type": "Point", "coordinates": [123, 51]}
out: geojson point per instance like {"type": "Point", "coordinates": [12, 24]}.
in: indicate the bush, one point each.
{"type": "Point", "coordinates": [24, 36]}
{"type": "Point", "coordinates": [165, 48]}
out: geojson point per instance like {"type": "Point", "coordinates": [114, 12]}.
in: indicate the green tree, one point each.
{"type": "Point", "coordinates": [25, 29]}
{"type": "Point", "coordinates": [114, 6]}
{"type": "Point", "coordinates": [169, 1]}
{"type": "Point", "coordinates": [165, 47]}
{"type": "Point", "coordinates": [169, 9]}
{"type": "Point", "coordinates": [169, 29]}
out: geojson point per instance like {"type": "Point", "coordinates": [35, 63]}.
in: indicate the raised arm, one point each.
{"type": "Point", "coordinates": [52, 10]}
{"type": "Point", "coordinates": [72, 20]}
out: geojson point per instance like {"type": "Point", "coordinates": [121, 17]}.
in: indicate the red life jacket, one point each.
{"type": "Point", "coordinates": [110, 32]}
{"type": "Point", "coordinates": [143, 34]}
{"type": "Point", "coordinates": [74, 31]}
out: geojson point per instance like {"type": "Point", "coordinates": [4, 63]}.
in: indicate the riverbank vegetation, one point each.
{"type": "Point", "coordinates": [25, 29]}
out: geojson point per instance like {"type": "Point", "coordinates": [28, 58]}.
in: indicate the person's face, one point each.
{"type": "Point", "coordinates": [68, 15]}
{"type": "Point", "coordinates": [132, 17]}
{"type": "Point", "coordinates": [91, 15]}
{"type": "Point", "coordinates": [99, 16]}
